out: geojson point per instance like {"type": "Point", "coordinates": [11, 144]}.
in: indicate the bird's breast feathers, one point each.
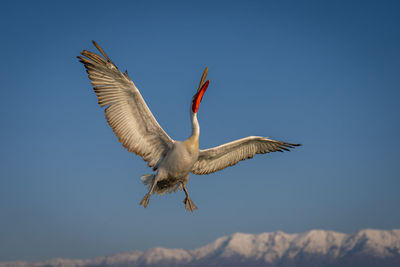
{"type": "Point", "coordinates": [181, 157]}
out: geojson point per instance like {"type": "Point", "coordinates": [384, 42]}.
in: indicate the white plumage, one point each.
{"type": "Point", "coordinates": [139, 132]}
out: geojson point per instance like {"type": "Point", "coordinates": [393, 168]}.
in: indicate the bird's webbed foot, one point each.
{"type": "Point", "coordinates": [145, 200]}
{"type": "Point", "coordinates": [189, 205]}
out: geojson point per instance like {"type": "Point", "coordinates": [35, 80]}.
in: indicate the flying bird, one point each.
{"type": "Point", "coordinates": [136, 128]}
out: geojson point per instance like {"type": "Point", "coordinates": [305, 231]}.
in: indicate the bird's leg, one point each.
{"type": "Point", "coordinates": [146, 198]}
{"type": "Point", "coordinates": [189, 205]}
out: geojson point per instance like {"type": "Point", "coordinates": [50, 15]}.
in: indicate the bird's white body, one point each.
{"type": "Point", "coordinates": [174, 168]}
{"type": "Point", "coordinates": [139, 132]}
{"type": "Point", "coordinates": [179, 160]}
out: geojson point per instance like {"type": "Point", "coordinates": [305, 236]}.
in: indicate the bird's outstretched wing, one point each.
{"type": "Point", "coordinates": [126, 112]}
{"type": "Point", "coordinates": [217, 158]}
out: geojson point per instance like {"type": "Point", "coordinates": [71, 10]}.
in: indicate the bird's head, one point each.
{"type": "Point", "coordinates": [200, 92]}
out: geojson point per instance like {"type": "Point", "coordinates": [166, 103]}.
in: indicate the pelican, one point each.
{"type": "Point", "coordinates": [136, 128]}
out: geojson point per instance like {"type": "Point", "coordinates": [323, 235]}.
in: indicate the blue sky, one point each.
{"type": "Point", "coordinates": [321, 73]}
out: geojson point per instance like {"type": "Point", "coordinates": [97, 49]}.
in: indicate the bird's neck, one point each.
{"type": "Point", "coordinates": [194, 138]}
{"type": "Point", "coordinates": [195, 125]}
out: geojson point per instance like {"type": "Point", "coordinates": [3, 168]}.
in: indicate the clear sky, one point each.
{"type": "Point", "coordinates": [322, 73]}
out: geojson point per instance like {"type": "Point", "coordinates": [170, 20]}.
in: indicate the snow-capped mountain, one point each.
{"type": "Point", "coordinates": [314, 248]}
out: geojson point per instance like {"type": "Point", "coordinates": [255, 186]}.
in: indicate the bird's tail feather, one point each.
{"type": "Point", "coordinates": [161, 187]}
{"type": "Point", "coordinates": [147, 179]}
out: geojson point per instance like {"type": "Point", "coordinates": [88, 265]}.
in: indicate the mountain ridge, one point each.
{"type": "Point", "coordinates": [367, 247]}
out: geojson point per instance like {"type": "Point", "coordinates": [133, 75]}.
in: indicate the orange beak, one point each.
{"type": "Point", "coordinates": [199, 96]}
{"type": "Point", "coordinates": [200, 92]}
